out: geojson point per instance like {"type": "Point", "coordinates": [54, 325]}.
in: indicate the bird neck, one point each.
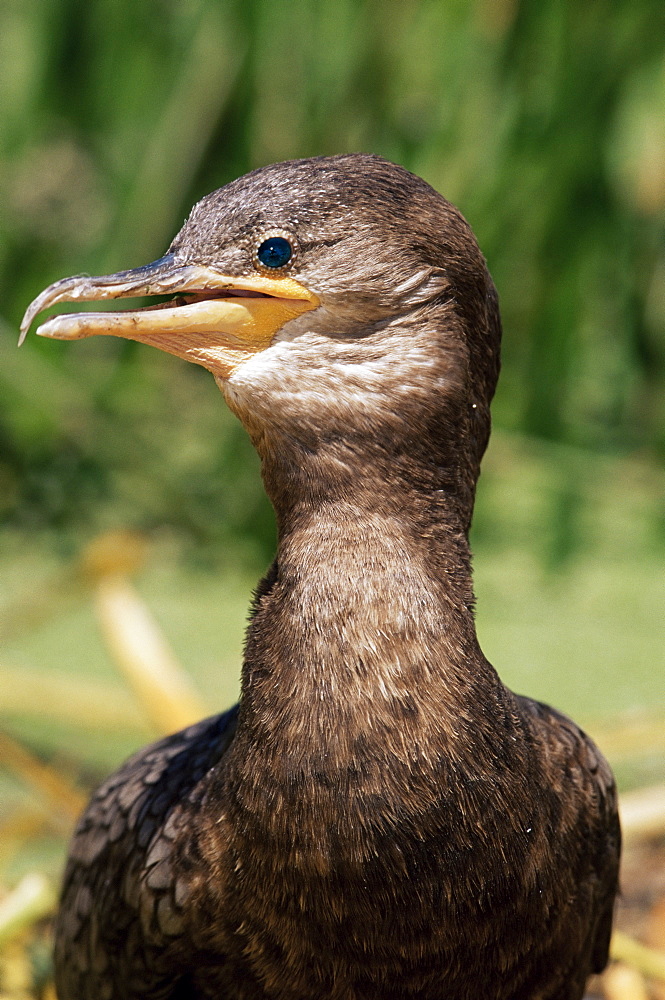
{"type": "Point", "coordinates": [364, 626]}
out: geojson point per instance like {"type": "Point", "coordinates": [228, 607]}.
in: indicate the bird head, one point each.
{"type": "Point", "coordinates": [337, 298]}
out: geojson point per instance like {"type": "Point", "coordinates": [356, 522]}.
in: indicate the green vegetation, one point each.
{"type": "Point", "coordinates": [545, 122]}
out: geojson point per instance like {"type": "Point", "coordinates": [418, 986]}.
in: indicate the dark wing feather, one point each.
{"type": "Point", "coordinates": [117, 932]}
{"type": "Point", "coordinates": [587, 823]}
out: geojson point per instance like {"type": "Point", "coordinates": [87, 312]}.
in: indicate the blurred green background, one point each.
{"type": "Point", "coordinates": [543, 120]}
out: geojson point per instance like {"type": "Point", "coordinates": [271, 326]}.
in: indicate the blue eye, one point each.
{"type": "Point", "coordinates": [275, 252]}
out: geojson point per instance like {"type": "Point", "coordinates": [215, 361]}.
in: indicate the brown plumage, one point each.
{"type": "Point", "coordinates": [380, 818]}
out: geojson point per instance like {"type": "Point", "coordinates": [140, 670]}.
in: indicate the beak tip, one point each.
{"type": "Point", "coordinates": [33, 310]}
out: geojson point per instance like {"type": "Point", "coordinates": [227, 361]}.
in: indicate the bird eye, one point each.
{"type": "Point", "coordinates": [276, 251]}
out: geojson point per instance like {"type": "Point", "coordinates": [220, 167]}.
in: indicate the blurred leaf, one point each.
{"type": "Point", "coordinates": [78, 701]}
{"type": "Point", "coordinates": [140, 650]}
{"type": "Point", "coordinates": [64, 799]}
{"type": "Point", "coordinates": [622, 982]}
{"type": "Point", "coordinates": [646, 960]}
{"type": "Point", "coordinates": [31, 900]}
{"type": "Point", "coordinates": [643, 813]}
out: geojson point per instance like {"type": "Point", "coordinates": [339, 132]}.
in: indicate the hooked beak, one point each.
{"type": "Point", "coordinates": [215, 320]}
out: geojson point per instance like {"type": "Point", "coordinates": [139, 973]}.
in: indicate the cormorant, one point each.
{"type": "Point", "coordinates": [380, 818]}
